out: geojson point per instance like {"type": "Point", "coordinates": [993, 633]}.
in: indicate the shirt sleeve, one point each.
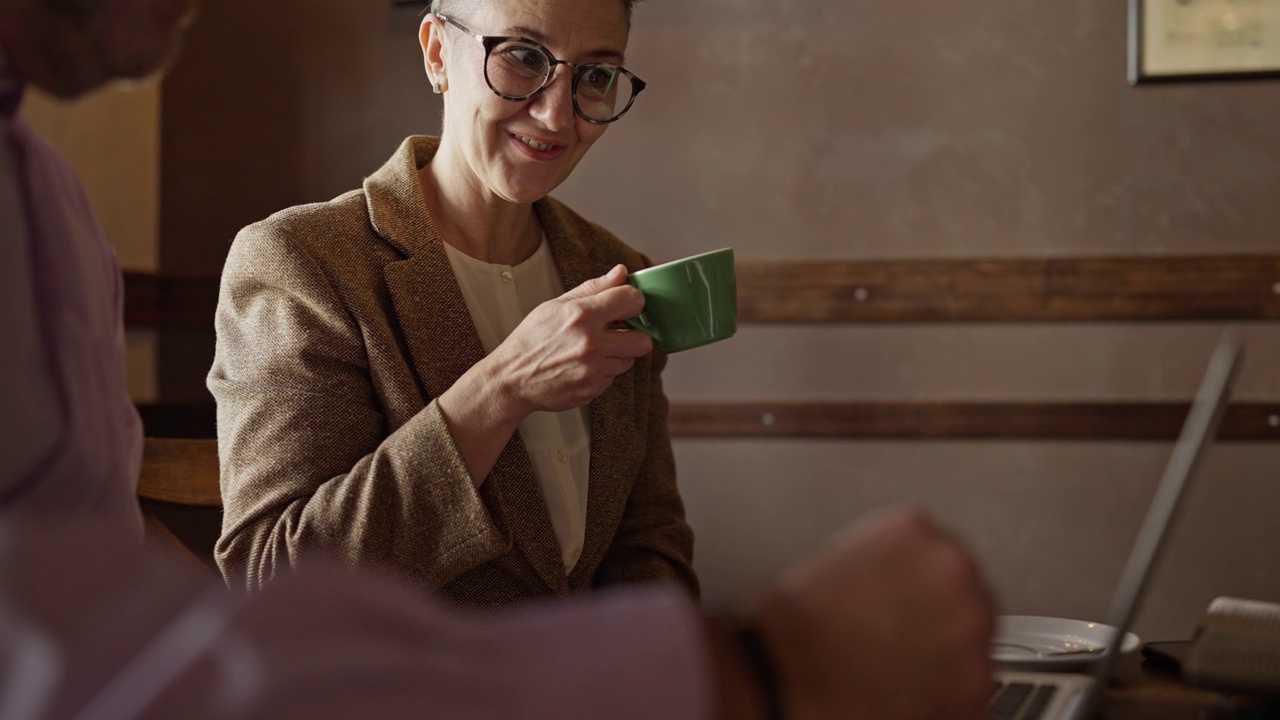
{"type": "Point", "coordinates": [30, 416]}
{"type": "Point", "coordinates": [92, 626]}
{"type": "Point", "coordinates": [630, 654]}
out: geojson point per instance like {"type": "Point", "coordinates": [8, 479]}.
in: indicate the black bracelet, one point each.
{"type": "Point", "coordinates": [761, 663]}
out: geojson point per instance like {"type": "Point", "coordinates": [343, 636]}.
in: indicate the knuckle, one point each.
{"type": "Point", "coordinates": [575, 313]}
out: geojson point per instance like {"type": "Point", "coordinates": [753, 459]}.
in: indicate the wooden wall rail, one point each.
{"type": "Point", "coordinates": [921, 420]}
{"type": "Point", "coordinates": [1183, 288]}
{"type": "Point", "coordinates": [962, 420]}
{"type": "Point", "coordinates": [1100, 289]}
{"type": "Point", "coordinates": [1237, 287]}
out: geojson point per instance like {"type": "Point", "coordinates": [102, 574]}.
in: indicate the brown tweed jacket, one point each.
{"type": "Point", "coordinates": [338, 323]}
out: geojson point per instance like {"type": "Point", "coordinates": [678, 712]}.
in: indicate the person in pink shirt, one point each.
{"type": "Point", "coordinates": [892, 619]}
{"type": "Point", "coordinates": [70, 438]}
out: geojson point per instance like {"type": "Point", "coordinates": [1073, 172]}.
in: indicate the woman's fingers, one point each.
{"type": "Point", "coordinates": [612, 304]}
{"type": "Point", "coordinates": [616, 276]}
{"type": "Point", "coordinates": [629, 344]}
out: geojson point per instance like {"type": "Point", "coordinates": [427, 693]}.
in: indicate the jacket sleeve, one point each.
{"type": "Point", "coordinates": [307, 460]}
{"type": "Point", "coordinates": [653, 542]}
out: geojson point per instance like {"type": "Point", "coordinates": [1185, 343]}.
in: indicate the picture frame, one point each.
{"type": "Point", "coordinates": [1203, 40]}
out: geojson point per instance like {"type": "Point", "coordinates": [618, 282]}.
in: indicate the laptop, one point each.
{"type": "Point", "coordinates": [1075, 696]}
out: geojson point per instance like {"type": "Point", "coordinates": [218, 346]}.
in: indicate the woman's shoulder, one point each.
{"type": "Point", "coordinates": [336, 232]}
{"type": "Point", "coordinates": [311, 222]}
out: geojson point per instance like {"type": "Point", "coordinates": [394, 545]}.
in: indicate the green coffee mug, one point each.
{"type": "Point", "coordinates": [688, 303]}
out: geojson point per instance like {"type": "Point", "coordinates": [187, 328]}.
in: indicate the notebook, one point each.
{"type": "Point", "coordinates": [1237, 646]}
{"type": "Point", "coordinates": [1075, 696]}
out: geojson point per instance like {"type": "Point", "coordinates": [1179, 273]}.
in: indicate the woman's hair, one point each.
{"type": "Point", "coordinates": [438, 5]}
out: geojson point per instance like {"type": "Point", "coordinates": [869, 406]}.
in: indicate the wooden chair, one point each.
{"type": "Point", "coordinates": [180, 496]}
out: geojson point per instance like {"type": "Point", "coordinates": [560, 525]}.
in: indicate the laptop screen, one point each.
{"type": "Point", "coordinates": [1198, 431]}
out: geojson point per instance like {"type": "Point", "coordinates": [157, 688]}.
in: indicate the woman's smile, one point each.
{"type": "Point", "coordinates": [535, 149]}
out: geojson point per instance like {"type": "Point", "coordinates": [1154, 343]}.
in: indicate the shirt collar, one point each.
{"type": "Point", "coordinates": [10, 88]}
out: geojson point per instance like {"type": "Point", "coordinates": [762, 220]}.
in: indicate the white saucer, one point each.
{"type": "Point", "coordinates": [1029, 642]}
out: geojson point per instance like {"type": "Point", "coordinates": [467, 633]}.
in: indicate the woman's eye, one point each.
{"type": "Point", "coordinates": [525, 58]}
{"type": "Point", "coordinates": [598, 78]}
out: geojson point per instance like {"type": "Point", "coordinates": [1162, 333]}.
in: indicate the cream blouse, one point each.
{"type": "Point", "coordinates": [499, 297]}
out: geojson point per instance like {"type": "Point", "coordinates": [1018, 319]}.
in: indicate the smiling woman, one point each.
{"type": "Point", "coordinates": [426, 374]}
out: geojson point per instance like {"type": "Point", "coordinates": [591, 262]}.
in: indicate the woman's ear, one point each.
{"type": "Point", "coordinates": [429, 36]}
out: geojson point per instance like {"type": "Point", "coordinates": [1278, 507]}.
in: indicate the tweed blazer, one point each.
{"type": "Point", "coordinates": [337, 325]}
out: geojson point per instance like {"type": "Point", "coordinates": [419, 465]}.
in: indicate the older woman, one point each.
{"type": "Point", "coordinates": [426, 375]}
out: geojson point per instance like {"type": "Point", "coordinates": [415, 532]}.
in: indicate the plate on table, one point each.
{"type": "Point", "coordinates": [1033, 642]}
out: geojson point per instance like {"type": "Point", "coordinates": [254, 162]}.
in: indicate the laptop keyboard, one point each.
{"type": "Point", "coordinates": [1020, 700]}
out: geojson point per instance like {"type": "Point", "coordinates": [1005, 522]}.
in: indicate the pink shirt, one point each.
{"type": "Point", "coordinates": [93, 626]}
{"type": "Point", "coordinates": [70, 438]}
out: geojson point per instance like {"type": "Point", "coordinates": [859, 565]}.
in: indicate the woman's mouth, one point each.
{"type": "Point", "coordinates": [534, 143]}
{"type": "Point", "coordinates": [536, 150]}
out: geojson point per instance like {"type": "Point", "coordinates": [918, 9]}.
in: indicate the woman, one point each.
{"type": "Point", "coordinates": [402, 378]}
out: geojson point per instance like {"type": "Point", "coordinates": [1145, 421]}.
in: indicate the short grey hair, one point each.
{"type": "Point", "coordinates": [437, 6]}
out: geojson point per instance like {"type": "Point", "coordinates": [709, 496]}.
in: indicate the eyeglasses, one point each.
{"type": "Point", "coordinates": [518, 68]}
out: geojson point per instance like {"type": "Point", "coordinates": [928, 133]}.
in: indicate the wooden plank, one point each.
{"type": "Point", "coordinates": [180, 471]}
{"type": "Point", "coordinates": [1244, 287]}
{"type": "Point", "coordinates": [907, 420]}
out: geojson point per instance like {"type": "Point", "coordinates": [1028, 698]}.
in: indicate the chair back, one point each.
{"type": "Point", "coordinates": [180, 496]}
{"type": "Point", "coordinates": [181, 472]}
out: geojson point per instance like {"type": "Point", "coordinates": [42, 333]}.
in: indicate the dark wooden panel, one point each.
{"type": "Point", "coordinates": [172, 420]}
{"type": "Point", "coordinates": [170, 301]}
{"type": "Point", "coordinates": [959, 420]}
{"type": "Point", "coordinates": [1147, 288]}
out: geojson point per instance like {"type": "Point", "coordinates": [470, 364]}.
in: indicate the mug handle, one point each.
{"type": "Point", "coordinates": [642, 324]}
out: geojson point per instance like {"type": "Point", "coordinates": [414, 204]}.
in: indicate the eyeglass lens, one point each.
{"type": "Point", "coordinates": [518, 70]}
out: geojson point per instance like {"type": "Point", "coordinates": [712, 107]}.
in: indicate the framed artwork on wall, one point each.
{"type": "Point", "coordinates": [1192, 40]}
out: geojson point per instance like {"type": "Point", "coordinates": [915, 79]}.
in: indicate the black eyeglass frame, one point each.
{"type": "Point", "coordinates": [491, 41]}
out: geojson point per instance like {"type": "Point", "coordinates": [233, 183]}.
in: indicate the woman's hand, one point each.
{"type": "Point", "coordinates": [563, 355]}
{"type": "Point", "coordinates": [568, 351]}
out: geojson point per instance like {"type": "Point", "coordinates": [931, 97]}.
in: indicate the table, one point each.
{"type": "Point", "coordinates": [1143, 692]}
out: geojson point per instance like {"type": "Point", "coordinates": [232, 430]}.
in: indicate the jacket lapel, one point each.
{"type": "Point", "coordinates": [443, 344]}
{"type": "Point", "coordinates": [617, 436]}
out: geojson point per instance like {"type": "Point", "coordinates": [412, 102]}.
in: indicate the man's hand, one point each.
{"type": "Point", "coordinates": [892, 620]}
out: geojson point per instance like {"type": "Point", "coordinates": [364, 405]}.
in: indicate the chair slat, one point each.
{"type": "Point", "coordinates": [183, 472]}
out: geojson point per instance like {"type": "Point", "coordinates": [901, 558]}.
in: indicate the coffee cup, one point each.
{"type": "Point", "coordinates": [689, 302]}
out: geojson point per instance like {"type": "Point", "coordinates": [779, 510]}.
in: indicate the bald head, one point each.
{"type": "Point", "coordinates": [69, 47]}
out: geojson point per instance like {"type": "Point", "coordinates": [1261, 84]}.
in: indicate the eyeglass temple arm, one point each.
{"type": "Point", "coordinates": [478, 37]}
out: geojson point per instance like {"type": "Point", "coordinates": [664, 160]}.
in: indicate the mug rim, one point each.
{"type": "Point", "coordinates": [683, 260]}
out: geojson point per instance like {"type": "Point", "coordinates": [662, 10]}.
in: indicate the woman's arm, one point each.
{"type": "Point", "coordinates": [653, 541]}
{"type": "Point", "coordinates": [308, 463]}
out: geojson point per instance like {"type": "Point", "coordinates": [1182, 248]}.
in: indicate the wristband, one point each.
{"type": "Point", "coordinates": [761, 662]}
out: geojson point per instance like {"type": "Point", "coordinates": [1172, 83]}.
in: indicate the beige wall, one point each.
{"type": "Point", "coordinates": [923, 128]}
{"type": "Point", "coordinates": [112, 137]}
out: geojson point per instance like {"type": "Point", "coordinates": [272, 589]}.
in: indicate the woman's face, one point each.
{"type": "Point", "coordinates": [521, 150]}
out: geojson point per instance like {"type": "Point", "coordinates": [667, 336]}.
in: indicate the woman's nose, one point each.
{"type": "Point", "coordinates": [553, 105]}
